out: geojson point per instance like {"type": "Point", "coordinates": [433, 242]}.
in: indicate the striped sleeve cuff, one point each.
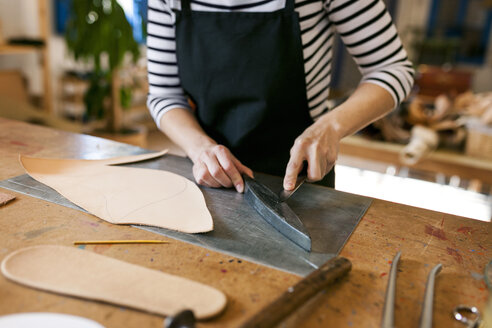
{"type": "Point", "coordinates": [397, 80]}
{"type": "Point", "coordinates": [159, 105]}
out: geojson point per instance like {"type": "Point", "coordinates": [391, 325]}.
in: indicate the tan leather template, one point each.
{"type": "Point", "coordinates": [81, 273]}
{"type": "Point", "coordinates": [5, 198]}
{"type": "Point", "coordinates": [125, 195]}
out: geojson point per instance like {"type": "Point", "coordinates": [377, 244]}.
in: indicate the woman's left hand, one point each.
{"type": "Point", "coordinates": [318, 145]}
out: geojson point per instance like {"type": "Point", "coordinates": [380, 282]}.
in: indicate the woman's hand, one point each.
{"type": "Point", "coordinates": [215, 166]}
{"type": "Point", "coordinates": [318, 145]}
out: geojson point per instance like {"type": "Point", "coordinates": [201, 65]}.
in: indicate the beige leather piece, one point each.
{"type": "Point", "coordinates": [5, 198]}
{"type": "Point", "coordinates": [131, 159]}
{"type": "Point", "coordinates": [124, 195]}
{"type": "Point", "coordinates": [81, 273]}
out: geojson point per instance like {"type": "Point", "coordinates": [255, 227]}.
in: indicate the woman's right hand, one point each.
{"type": "Point", "coordinates": [215, 166]}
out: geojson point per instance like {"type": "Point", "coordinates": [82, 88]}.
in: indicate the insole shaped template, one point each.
{"type": "Point", "coordinates": [81, 273]}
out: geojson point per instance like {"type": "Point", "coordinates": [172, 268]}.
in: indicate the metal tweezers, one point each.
{"type": "Point", "coordinates": [389, 302]}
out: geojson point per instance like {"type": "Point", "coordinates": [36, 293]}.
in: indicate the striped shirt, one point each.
{"type": "Point", "coordinates": [365, 28]}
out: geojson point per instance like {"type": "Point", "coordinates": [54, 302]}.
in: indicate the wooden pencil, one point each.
{"type": "Point", "coordinates": [92, 242]}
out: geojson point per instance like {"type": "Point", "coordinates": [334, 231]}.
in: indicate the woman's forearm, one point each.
{"type": "Point", "coordinates": [181, 126]}
{"type": "Point", "coordinates": [368, 103]}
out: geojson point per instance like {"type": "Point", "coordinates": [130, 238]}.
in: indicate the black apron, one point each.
{"type": "Point", "coordinates": [245, 73]}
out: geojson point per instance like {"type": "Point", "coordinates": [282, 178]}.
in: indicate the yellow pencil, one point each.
{"type": "Point", "coordinates": [92, 242]}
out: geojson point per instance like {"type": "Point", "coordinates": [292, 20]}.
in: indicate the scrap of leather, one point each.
{"type": "Point", "coordinates": [125, 195]}
{"type": "Point", "coordinates": [81, 273]}
{"type": "Point", "coordinates": [5, 198]}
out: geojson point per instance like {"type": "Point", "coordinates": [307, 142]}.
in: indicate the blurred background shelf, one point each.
{"type": "Point", "coordinates": [43, 48]}
{"type": "Point", "coordinates": [447, 162]}
{"type": "Point", "coordinates": [18, 49]}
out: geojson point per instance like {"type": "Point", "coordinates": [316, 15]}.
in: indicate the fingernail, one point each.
{"type": "Point", "coordinates": [290, 185]}
{"type": "Point", "coordinates": [239, 188]}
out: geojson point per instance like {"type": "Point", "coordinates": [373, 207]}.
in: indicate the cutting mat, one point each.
{"type": "Point", "coordinates": [329, 215]}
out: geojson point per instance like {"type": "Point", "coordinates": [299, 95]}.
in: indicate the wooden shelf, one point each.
{"type": "Point", "coordinates": [18, 49]}
{"type": "Point", "coordinates": [44, 50]}
{"type": "Point", "coordinates": [446, 162]}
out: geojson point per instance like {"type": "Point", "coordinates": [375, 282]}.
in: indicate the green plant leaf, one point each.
{"type": "Point", "coordinates": [98, 27]}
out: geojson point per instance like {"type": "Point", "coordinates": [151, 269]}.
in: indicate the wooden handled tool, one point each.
{"type": "Point", "coordinates": [297, 295]}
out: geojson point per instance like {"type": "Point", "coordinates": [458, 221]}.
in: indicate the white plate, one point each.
{"type": "Point", "coordinates": [46, 320]}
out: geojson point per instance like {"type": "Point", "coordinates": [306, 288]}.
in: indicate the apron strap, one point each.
{"type": "Point", "coordinates": [186, 6]}
{"type": "Point", "coordinates": [290, 5]}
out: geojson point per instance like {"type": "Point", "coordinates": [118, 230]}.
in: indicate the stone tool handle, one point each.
{"type": "Point", "coordinates": [297, 295]}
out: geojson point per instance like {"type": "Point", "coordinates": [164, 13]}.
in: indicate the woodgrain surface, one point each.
{"type": "Point", "coordinates": [425, 238]}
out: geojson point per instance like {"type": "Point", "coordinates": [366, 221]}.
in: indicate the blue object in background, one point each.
{"type": "Point", "coordinates": [456, 28]}
{"type": "Point", "coordinates": [62, 11]}
{"type": "Point", "coordinates": [137, 17]}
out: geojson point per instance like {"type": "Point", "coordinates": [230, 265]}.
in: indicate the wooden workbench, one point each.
{"type": "Point", "coordinates": [425, 238]}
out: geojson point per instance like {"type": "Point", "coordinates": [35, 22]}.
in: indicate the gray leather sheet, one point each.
{"type": "Point", "coordinates": [329, 215]}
